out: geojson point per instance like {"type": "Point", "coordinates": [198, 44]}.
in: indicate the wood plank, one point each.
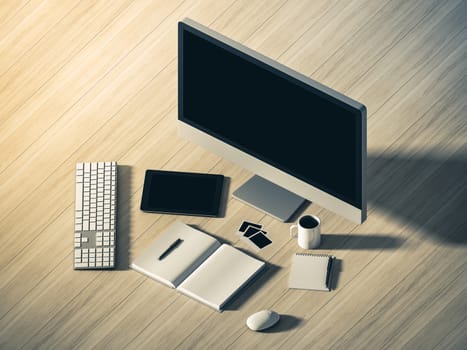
{"type": "Point", "coordinates": [11, 8]}
{"type": "Point", "coordinates": [90, 80]}
{"type": "Point", "coordinates": [82, 120]}
{"type": "Point", "coordinates": [455, 339]}
{"type": "Point", "coordinates": [23, 121]}
{"type": "Point", "coordinates": [440, 283]}
{"type": "Point", "coordinates": [380, 33]}
{"type": "Point", "coordinates": [424, 331]}
{"type": "Point", "coordinates": [99, 49]}
{"type": "Point", "coordinates": [26, 28]}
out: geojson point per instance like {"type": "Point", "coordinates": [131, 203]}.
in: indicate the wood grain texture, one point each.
{"type": "Point", "coordinates": [97, 80]}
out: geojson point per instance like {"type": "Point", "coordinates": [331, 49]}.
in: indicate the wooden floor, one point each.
{"type": "Point", "coordinates": [97, 80]}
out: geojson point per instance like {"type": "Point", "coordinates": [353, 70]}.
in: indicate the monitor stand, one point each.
{"type": "Point", "coordinates": [269, 198]}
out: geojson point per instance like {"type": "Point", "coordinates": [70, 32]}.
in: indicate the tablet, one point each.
{"type": "Point", "coordinates": [184, 193]}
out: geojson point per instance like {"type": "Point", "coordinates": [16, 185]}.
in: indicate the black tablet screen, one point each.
{"type": "Point", "coordinates": [182, 193]}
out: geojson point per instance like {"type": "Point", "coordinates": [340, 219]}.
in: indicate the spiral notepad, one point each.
{"type": "Point", "coordinates": [311, 271]}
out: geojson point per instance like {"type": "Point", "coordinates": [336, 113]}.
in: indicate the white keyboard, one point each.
{"type": "Point", "coordinates": [95, 215]}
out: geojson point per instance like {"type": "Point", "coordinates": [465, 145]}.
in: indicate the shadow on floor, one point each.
{"type": "Point", "coordinates": [252, 287]}
{"type": "Point", "coordinates": [285, 324]}
{"type": "Point", "coordinates": [426, 192]}
{"type": "Point", "coordinates": [356, 241]}
{"type": "Point", "coordinates": [124, 173]}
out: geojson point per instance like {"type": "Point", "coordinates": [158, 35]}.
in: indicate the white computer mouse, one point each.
{"type": "Point", "coordinates": [262, 320]}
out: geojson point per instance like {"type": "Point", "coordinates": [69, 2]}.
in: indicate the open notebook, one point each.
{"type": "Point", "coordinates": [200, 266]}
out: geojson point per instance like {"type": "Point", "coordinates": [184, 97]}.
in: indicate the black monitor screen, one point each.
{"type": "Point", "coordinates": [270, 115]}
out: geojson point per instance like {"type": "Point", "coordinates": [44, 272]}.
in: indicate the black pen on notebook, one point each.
{"type": "Point", "coordinates": [169, 249]}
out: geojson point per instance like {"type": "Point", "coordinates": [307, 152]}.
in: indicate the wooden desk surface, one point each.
{"type": "Point", "coordinates": [96, 80]}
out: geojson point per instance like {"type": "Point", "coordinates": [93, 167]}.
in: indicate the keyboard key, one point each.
{"type": "Point", "coordinates": [78, 265]}
{"type": "Point", "coordinates": [79, 196]}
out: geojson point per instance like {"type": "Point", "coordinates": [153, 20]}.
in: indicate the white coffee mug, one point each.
{"type": "Point", "coordinates": [307, 231]}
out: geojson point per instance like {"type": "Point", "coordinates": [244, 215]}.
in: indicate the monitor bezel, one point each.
{"type": "Point", "coordinates": [256, 165]}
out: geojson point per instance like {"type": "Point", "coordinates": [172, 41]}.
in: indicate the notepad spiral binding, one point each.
{"type": "Point", "coordinates": [317, 255]}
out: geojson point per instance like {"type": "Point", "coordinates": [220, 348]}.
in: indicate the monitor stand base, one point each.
{"type": "Point", "coordinates": [269, 198]}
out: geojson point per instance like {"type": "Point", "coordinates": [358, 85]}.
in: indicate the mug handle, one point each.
{"type": "Point", "coordinates": [292, 228]}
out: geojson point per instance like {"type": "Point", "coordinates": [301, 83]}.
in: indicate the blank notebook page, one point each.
{"type": "Point", "coordinates": [309, 272]}
{"type": "Point", "coordinates": [220, 276]}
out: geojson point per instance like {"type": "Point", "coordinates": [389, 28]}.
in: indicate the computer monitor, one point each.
{"type": "Point", "coordinates": [302, 139]}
